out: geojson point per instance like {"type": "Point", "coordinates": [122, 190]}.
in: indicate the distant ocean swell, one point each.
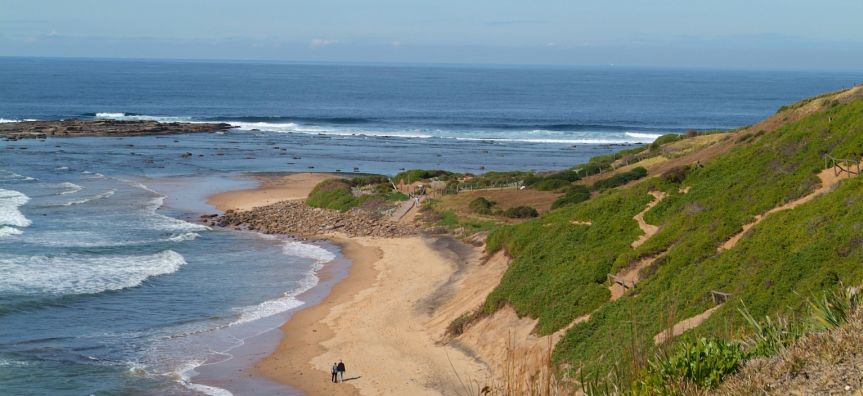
{"type": "Point", "coordinates": [554, 133]}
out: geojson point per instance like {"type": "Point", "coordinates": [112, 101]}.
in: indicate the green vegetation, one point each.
{"type": "Point", "coordinates": [559, 269]}
{"type": "Point", "coordinates": [620, 179]}
{"type": "Point", "coordinates": [333, 194]}
{"type": "Point", "coordinates": [664, 139]}
{"type": "Point", "coordinates": [520, 212]}
{"type": "Point", "coordinates": [413, 175]}
{"type": "Point", "coordinates": [702, 362]}
{"type": "Point", "coordinates": [338, 194]}
{"type": "Point", "coordinates": [573, 195]}
{"type": "Point", "coordinates": [481, 205]}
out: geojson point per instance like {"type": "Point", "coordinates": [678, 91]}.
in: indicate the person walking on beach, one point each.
{"type": "Point", "coordinates": [341, 370]}
{"type": "Point", "coordinates": [335, 371]}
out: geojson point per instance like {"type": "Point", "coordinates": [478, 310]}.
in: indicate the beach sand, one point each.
{"type": "Point", "coordinates": [386, 320]}
{"type": "Point", "coordinates": [379, 320]}
{"type": "Point", "coordinates": [272, 189]}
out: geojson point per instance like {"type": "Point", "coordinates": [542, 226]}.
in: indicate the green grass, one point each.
{"type": "Point", "coordinates": [337, 194]}
{"type": "Point", "coordinates": [559, 269]}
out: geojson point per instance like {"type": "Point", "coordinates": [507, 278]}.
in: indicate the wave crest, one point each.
{"type": "Point", "coordinates": [82, 274]}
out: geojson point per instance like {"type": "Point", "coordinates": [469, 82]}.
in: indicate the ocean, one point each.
{"type": "Point", "coordinates": [108, 285]}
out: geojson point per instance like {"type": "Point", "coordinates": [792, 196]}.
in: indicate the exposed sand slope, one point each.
{"type": "Point", "coordinates": [377, 321]}
{"type": "Point", "coordinates": [272, 189]}
{"type": "Point", "coordinates": [829, 178]}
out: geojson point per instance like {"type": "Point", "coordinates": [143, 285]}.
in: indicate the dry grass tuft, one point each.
{"type": "Point", "coordinates": [828, 362]}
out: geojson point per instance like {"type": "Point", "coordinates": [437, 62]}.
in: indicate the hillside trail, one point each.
{"type": "Point", "coordinates": [829, 179]}
{"type": "Point", "coordinates": [629, 276]}
{"type": "Point", "coordinates": [684, 325]}
{"type": "Point", "coordinates": [648, 229]}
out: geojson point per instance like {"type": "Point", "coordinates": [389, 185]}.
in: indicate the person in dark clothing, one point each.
{"type": "Point", "coordinates": [341, 370]}
{"type": "Point", "coordinates": [335, 372]}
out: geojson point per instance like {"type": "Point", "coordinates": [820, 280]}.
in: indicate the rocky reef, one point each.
{"type": "Point", "coordinates": [76, 127]}
{"type": "Point", "coordinates": [298, 219]}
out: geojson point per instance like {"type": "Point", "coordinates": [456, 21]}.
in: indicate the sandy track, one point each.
{"type": "Point", "coordinates": [829, 179]}
{"type": "Point", "coordinates": [648, 229]}
{"type": "Point", "coordinates": [686, 324]}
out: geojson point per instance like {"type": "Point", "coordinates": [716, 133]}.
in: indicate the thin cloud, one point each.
{"type": "Point", "coordinates": [321, 43]}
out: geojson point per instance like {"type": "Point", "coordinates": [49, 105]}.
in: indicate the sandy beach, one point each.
{"type": "Point", "coordinates": [385, 320]}
{"type": "Point", "coordinates": [272, 189]}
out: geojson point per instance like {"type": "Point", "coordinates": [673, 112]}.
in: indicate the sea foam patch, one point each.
{"type": "Point", "coordinates": [11, 218]}
{"type": "Point", "coordinates": [82, 274]}
{"type": "Point", "coordinates": [288, 301]}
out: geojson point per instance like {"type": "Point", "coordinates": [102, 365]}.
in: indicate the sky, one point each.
{"type": "Point", "coordinates": [738, 34]}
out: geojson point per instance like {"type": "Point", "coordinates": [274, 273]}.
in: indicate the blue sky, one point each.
{"type": "Point", "coordinates": [788, 34]}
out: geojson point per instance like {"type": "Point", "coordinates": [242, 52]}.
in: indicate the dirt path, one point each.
{"type": "Point", "coordinates": [828, 178]}
{"type": "Point", "coordinates": [684, 325]}
{"type": "Point", "coordinates": [648, 229]}
{"type": "Point", "coordinates": [628, 277]}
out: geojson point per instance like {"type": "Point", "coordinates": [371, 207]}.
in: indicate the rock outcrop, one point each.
{"type": "Point", "coordinates": [298, 219]}
{"type": "Point", "coordinates": [75, 127]}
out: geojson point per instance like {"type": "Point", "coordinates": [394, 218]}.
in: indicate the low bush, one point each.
{"type": "Point", "coordinates": [667, 138]}
{"type": "Point", "coordinates": [521, 212]}
{"type": "Point", "coordinates": [332, 194]}
{"type": "Point", "coordinates": [481, 205]}
{"type": "Point", "coordinates": [620, 179]}
{"type": "Point", "coordinates": [676, 175]}
{"type": "Point", "coordinates": [574, 195]}
{"type": "Point", "coordinates": [412, 175]}
{"type": "Point", "coordinates": [550, 184]}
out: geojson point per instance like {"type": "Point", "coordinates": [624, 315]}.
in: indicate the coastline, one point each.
{"type": "Point", "coordinates": [380, 318]}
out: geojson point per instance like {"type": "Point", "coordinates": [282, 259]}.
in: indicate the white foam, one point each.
{"type": "Point", "coordinates": [289, 299]}
{"type": "Point", "coordinates": [9, 231]}
{"type": "Point", "coordinates": [82, 274]}
{"type": "Point", "coordinates": [290, 127]}
{"type": "Point", "coordinates": [10, 216]}
{"type": "Point", "coordinates": [641, 135]}
{"type": "Point", "coordinates": [185, 236]}
{"type": "Point", "coordinates": [12, 176]}
{"type": "Point", "coordinates": [70, 188]}
{"type": "Point", "coordinates": [139, 117]}
{"type": "Point", "coordinates": [186, 371]}
{"type": "Point", "coordinates": [103, 195]}
{"type": "Point", "coordinates": [168, 223]}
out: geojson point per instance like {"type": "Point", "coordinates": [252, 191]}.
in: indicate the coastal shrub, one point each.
{"type": "Point", "coordinates": [550, 184]}
{"type": "Point", "coordinates": [664, 139]}
{"type": "Point", "coordinates": [676, 174]}
{"type": "Point", "coordinates": [703, 362]}
{"type": "Point", "coordinates": [369, 180]}
{"type": "Point", "coordinates": [481, 205]}
{"type": "Point", "coordinates": [332, 194]}
{"type": "Point", "coordinates": [620, 179]}
{"type": "Point", "coordinates": [573, 195]}
{"type": "Point", "coordinates": [520, 212]}
{"type": "Point", "coordinates": [413, 175]}
{"type": "Point", "coordinates": [397, 196]}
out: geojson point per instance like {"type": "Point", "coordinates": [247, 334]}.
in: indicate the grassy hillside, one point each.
{"type": "Point", "coordinates": [559, 269]}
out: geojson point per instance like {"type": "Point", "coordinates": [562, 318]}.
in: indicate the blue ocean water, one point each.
{"type": "Point", "coordinates": [107, 284]}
